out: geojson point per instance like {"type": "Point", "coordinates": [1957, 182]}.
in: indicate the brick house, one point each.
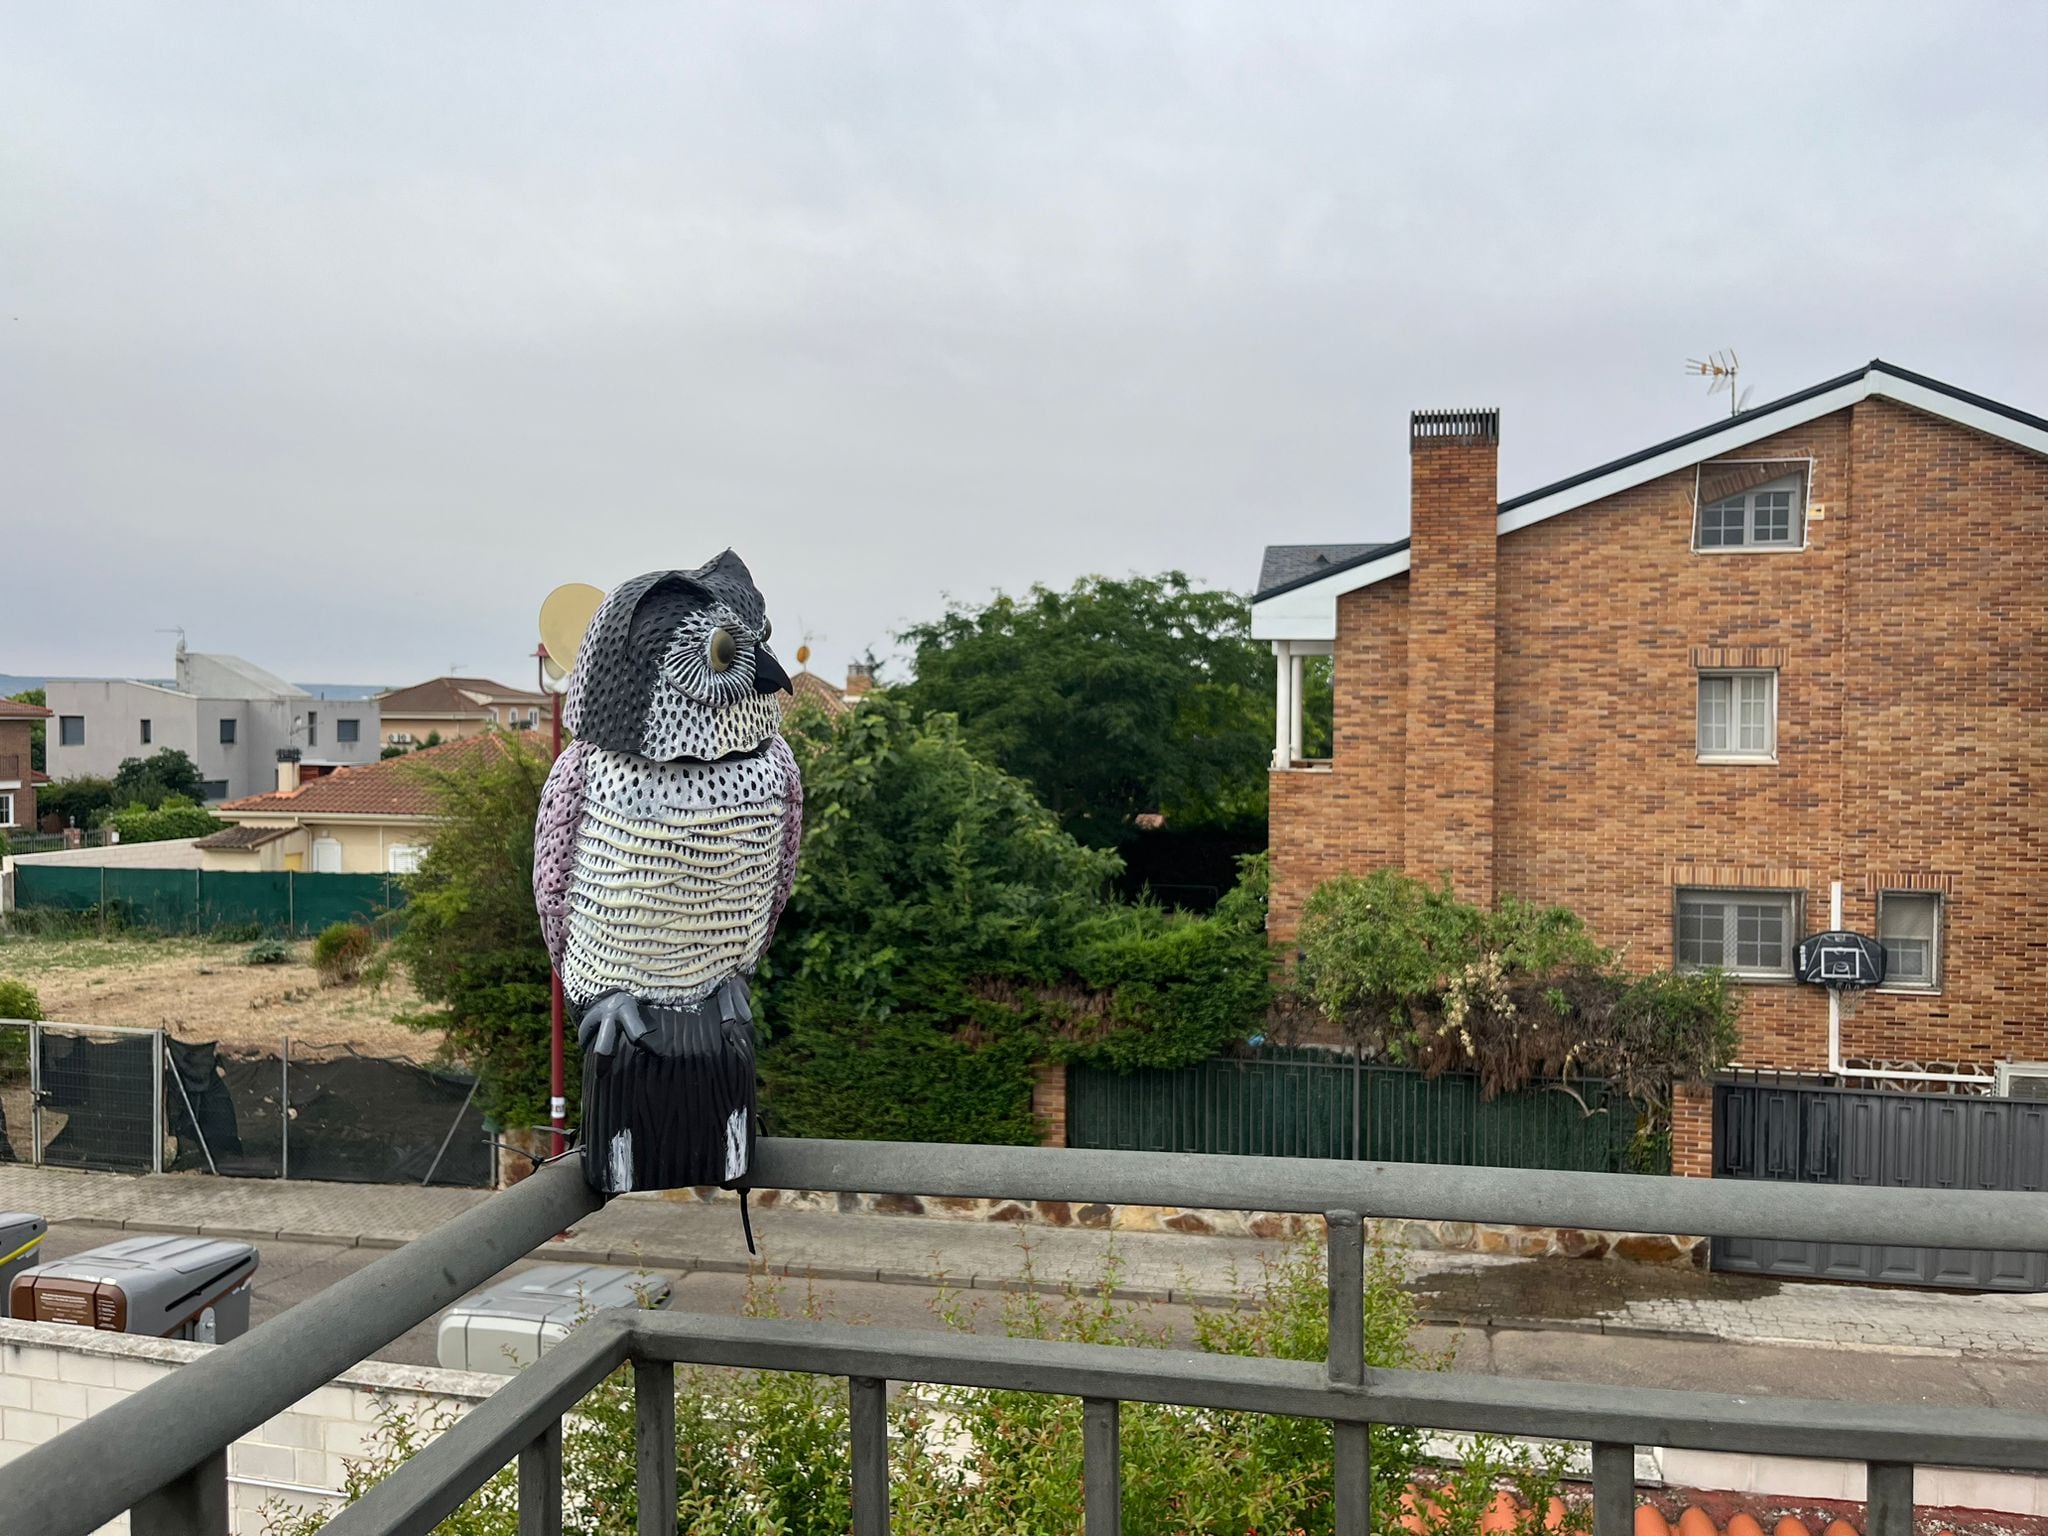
{"type": "Point", "coordinates": [18, 780]}
{"type": "Point", "coordinates": [1687, 692]}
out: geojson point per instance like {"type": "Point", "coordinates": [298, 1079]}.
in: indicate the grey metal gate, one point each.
{"type": "Point", "coordinates": [81, 1096]}
{"type": "Point", "coordinates": [1809, 1134]}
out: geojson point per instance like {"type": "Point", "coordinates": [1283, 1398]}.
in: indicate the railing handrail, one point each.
{"type": "Point", "coordinates": [94, 1471]}
{"type": "Point", "coordinates": [1598, 1202]}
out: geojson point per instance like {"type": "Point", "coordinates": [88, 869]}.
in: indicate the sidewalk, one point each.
{"type": "Point", "coordinates": [1592, 1296]}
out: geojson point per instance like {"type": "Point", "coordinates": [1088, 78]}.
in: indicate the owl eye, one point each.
{"type": "Point", "coordinates": [724, 650]}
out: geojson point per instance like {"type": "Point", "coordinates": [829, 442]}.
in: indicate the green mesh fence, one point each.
{"type": "Point", "coordinates": [205, 901]}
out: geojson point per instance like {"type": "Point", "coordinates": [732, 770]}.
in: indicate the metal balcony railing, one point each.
{"type": "Point", "coordinates": [162, 1453]}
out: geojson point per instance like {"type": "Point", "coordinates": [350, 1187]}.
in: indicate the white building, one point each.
{"type": "Point", "coordinates": [228, 715]}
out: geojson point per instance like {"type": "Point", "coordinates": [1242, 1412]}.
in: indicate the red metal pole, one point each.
{"type": "Point", "coordinates": [558, 1104]}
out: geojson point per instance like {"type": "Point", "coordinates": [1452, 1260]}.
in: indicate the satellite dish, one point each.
{"type": "Point", "coordinates": [564, 616]}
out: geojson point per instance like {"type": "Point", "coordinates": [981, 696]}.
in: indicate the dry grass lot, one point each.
{"type": "Point", "coordinates": [202, 990]}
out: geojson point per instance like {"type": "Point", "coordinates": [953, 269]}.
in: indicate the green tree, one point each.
{"type": "Point", "coordinates": [83, 801]}
{"type": "Point", "coordinates": [174, 816]}
{"type": "Point", "coordinates": [152, 780]}
{"type": "Point", "coordinates": [471, 940]}
{"type": "Point", "coordinates": [36, 739]}
{"type": "Point", "coordinates": [1112, 698]}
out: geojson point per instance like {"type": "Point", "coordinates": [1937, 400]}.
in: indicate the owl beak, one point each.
{"type": "Point", "coordinates": [768, 674]}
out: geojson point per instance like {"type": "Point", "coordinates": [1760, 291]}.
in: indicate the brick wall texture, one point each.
{"type": "Point", "coordinates": [1911, 638]}
{"type": "Point", "coordinates": [14, 744]}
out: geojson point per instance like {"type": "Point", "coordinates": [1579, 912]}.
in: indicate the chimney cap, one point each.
{"type": "Point", "coordinates": [287, 754]}
{"type": "Point", "coordinates": [1468, 426]}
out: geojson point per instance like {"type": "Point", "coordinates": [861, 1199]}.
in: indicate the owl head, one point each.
{"type": "Point", "coordinates": [676, 667]}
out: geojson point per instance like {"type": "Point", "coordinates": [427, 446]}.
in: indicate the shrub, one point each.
{"type": "Point", "coordinates": [1515, 994]}
{"type": "Point", "coordinates": [18, 1000]}
{"type": "Point", "coordinates": [766, 1451]}
{"type": "Point", "coordinates": [268, 952]}
{"type": "Point", "coordinates": [175, 817]}
{"type": "Point", "coordinates": [341, 951]}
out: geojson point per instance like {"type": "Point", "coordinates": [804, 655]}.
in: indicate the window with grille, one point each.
{"type": "Point", "coordinates": [1738, 716]}
{"type": "Point", "coordinates": [1909, 927]}
{"type": "Point", "coordinates": [1758, 506]}
{"type": "Point", "coordinates": [1746, 933]}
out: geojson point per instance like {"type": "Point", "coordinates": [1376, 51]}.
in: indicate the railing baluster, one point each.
{"type": "Point", "coordinates": [870, 1403]}
{"type": "Point", "coordinates": [1350, 1443]}
{"type": "Point", "coordinates": [654, 1435]}
{"type": "Point", "coordinates": [1614, 1489]}
{"type": "Point", "coordinates": [1888, 1495]}
{"type": "Point", "coordinates": [540, 1484]}
{"type": "Point", "coordinates": [195, 1504]}
{"type": "Point", "coordinates": [1102, 1475]}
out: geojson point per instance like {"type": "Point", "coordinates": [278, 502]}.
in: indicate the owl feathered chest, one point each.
{"type": "Point", "coordinates": [674, 873]}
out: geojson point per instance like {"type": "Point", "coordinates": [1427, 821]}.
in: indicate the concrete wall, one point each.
{"type": "Point", "coordinates": [52, 1377]}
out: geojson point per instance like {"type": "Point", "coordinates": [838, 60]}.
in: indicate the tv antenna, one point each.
{"type": "Point", "coordinates": [1721, 370]}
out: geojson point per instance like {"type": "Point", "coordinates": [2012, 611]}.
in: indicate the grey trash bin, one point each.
{"type": "Point", "coordinates": [166, 1287]}
{"type": "Point", "coordinates": [515, 1321]}
{"type": "Point", "coordinates": [20, 1236]}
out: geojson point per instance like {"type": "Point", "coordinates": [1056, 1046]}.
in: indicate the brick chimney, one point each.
{"type": "Point", "coordinates": [860, 679]}
{"type": "Point", "coordinates": [287, 769]}
{"type": "Point", "coordinates": [1447, 821]}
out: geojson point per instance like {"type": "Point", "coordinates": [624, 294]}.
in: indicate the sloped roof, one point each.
{"type": "Point", "coordinates": [808, 687]}
{"type": "Point", "coordinates": [14, 709]}
{"type": "Point", "coordinates": [1305, 609]}
{"type": "Point", "coordinates": [215, 675]}
{"type": "Point", "coordinates": [246, 836]}
{"type": "Point", "coordinates": [1290, 565]}
{"type": "Point", "coordinates": [455, 696]}
{"type": "Point", "coordinates": [392, 786]}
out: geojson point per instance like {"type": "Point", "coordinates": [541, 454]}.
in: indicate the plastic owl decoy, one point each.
{"type": "Point", "coordinates": [665, 850]}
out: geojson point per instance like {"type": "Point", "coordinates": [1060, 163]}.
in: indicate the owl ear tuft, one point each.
{"type": "Point", "coordinates": [616, 669]}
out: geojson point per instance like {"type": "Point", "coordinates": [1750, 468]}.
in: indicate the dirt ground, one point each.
{"type": "Point", "coordinates": [200, 990]}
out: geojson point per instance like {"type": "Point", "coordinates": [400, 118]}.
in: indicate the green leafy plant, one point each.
{"type": "Point", "coordinates": [1514, 994]}
{"type": "Point", "coordinates": [18, 1000]}
{"type": "Point", "coordinates": [268, 952]}
{"type": "Point", "coordinates": [173, 816]}
{"type": "Point", "coordinates": [341, 951]}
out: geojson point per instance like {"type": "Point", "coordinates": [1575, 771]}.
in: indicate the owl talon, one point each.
{"type": "Point", "coordinates": [598, 1030]}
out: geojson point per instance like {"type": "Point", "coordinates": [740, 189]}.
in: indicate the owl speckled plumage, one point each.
{"type": "Point", "coordinates": [665, 850]}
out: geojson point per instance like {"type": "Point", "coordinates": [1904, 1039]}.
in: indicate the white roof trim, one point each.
{"type": "Point", "coordinates": [1310, 612]}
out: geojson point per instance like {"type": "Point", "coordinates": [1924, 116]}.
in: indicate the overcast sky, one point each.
{"type": "Point", "coordinates": [340, 333]}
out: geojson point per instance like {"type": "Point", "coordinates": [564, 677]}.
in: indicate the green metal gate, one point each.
{"type": "Point", "coordinates": [1310, 1103]}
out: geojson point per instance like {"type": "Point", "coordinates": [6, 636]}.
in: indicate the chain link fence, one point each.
{"type": "Point", "coordinates": [82, 1095]}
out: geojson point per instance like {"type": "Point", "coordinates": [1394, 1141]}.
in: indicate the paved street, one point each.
{"type": "Point", "coordinates": [1525, 1312]}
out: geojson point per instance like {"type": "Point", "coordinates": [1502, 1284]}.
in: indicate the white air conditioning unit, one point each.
{"type": "Point", "coordinates": [2023, 1080]}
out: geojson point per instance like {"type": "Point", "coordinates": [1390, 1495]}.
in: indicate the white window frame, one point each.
{"type": "Point", "coordinates": [1734, 753]}
{"type": "Point", "coordinates": [6, 808]}
{"type": "Point", "coordinates": [1799, 484]}
{"type": "Point", "coordinates": [403, 858]}
{"type": "Point", "coordinates": [1933, 984]}
{"type": "Point", "coordinates": [1792, 901]}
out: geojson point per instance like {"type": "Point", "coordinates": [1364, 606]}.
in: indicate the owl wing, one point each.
{"type": "Point", "coordinates": [554, 846]}
{"type": "Point", "coordinates": [792, 829]}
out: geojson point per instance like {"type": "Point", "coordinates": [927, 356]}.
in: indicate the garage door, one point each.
{"type": "Point", "coordinates": [1801, 1133]}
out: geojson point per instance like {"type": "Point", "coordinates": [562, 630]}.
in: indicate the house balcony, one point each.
{"type": "Point", "coordinates": [160, 1454]}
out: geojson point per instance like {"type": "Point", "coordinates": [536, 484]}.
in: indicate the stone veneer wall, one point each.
{"type": "Point", "coordinates": [53, 1376]}
{"type": "Point", "coordinates": [1451, 1236]}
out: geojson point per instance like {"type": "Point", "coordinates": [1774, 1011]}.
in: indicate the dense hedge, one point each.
{"type": "Point", "coordinates": [175, 817]}
{"type": "Point", "coordinates": [946, 936]}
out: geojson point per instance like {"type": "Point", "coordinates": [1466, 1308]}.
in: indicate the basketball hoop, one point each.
{"type": "Point", "coordinates": [1842, 962]}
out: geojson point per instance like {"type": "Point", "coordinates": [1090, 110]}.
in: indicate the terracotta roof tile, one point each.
{"type": "Point", "coordinates": [245, 836]}
{"type": "Point", "coordinates": [14, 709]}
{"type": "Point", "coordinates": [391, 787]}
{"type": "Point", "coordinates": [456, 696]}
{"type": "Point", "coordinates": [809, 688]}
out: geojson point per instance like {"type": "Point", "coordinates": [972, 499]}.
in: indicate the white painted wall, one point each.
{"type": "Point", "coordinates": [53, 1376]}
